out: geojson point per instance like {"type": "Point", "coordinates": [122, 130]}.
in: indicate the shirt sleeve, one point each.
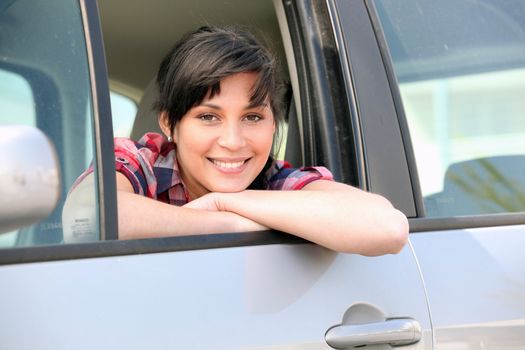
{"type": "Point", "coordinates": [134, 161]}
{"type": "Point", "coordinates": [137, 161]}
{"type": "Point", "coordinates": [285, 178]}
{"type": "Point", "coordinates": [129, 161]}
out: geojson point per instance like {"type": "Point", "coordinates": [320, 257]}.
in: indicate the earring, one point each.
{"type": "Point", "coordinates": [170, 139]}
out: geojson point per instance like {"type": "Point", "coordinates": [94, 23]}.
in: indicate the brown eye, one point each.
{"type": "Point", "coordinates": [253, 118]}
{"type": "Point", "coordinates": [208, 118]}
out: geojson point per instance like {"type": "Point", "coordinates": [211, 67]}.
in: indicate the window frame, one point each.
{"type": "Point", "coordinates": [102, 122]}
{"type": "Point", "coordinates": [388, 158]}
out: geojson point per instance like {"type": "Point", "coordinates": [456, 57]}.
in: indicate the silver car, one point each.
{"type": "Point", "coordinates": [418, 100]}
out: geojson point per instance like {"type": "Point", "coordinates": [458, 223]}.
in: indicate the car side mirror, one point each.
{"type": "Point", "coordinates": [29, 176]}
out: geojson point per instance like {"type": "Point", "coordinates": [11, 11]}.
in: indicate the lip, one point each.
{"type": "Point", "coordinates": [229, 165]}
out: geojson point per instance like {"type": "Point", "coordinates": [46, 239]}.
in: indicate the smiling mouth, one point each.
{"type": "Point", "coordinates": [228, 165]}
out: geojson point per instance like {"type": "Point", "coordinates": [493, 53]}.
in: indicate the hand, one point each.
{"type": "Point", "coordinates": [210, 201]}
{"type": "Point", "coordinates": [214, 201]}
{"type": "Point", "coordinates": [239, 223]}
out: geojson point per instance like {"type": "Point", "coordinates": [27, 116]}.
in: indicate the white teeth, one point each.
{"type": "Point", "coordinates": [228, 165]}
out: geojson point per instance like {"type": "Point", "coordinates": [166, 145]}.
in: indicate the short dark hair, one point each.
{"type": "Point", "coordinates": [198, 62]}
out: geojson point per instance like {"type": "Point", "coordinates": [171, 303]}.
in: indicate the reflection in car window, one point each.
{"type": "Point", "coordinates": [460, 66]}
{"type": "Point", "coordinates": [16, 106]}
{"type": "Point", "coordinates": [16, 100]}
{"type": "Point", "coordinates": [44, 82]}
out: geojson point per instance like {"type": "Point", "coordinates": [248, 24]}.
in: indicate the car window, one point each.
{"type": "Point", "coordinates": [44, 82]}
{"type": "Point", "coordinates": [460, 66]}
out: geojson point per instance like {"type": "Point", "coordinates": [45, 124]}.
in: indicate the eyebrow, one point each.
{"type": "Point", "coordinates": [210, 105]}
{"type": "Point", "coordinates": [216, 107]}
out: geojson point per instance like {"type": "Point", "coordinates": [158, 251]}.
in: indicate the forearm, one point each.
{"type": "Point", "coordinates": [343, 220]}
{"type": "Point", "coordinates": [141, 217]}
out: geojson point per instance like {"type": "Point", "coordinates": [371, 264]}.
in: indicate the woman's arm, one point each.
{"type": "Point", "coordinates": [141, 217]}
{"type": "Point", "coordinates": [331, 214]}
{"type": "Point", "coordinates": [334, 215]}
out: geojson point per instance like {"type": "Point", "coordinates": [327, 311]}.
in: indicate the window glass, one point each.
{"type": "Point", "coordinates": [16, 100]}
{"type": "Point", "coordinates": [17, 106]}
{"type": "Point", "coordinates": [460, 66]}
{"type": "Point", "coordinates": [44, 82]}
{"type": "Point", "coordinates": [123, 111]}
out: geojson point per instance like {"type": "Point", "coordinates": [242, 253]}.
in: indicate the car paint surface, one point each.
{"type": "Point", "coordinates": [271, 297]}
{"type": "Point", "coordinates": [475, 281]}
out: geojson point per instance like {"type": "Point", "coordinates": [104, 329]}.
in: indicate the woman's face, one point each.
{"type": "Point", "coordinates": [224, 143]}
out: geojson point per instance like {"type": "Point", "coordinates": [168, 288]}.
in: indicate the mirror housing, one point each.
{"type": "Point", "coordinates": [29, 176]}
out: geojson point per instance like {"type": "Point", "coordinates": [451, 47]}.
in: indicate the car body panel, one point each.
{"type": "Point", "coordinates": [271, 297]}
{"type": "Point", "coordinates": [475, 280]}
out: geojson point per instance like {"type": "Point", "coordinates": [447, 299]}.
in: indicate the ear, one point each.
{"type": "Point", "coordinates": [164, 123]}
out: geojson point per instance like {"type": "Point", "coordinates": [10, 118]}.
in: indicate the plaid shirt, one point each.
{"type": "Point", "coordinates": [151, 167]}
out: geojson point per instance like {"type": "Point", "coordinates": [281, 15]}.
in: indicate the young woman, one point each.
{"type": "Point", "coordinates": [212, 170]}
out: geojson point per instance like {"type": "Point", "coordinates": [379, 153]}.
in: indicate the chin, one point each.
{"type": "Point", "coordinates": [230, 188]}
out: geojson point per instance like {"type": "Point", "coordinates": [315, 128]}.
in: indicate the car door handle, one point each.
{"type": "Point", "coordinates": [397, 331]}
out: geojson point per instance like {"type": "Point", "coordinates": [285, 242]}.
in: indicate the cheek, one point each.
{"type": "Point", "coordinates": [190, 145]}
{"type": "Point", "coordinates": [190, 141]}
{"type": "Point", "coordinates": [263, 139]}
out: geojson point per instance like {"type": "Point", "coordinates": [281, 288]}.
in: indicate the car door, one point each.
{"type": "Point", "coordinates": [226, 291]}
{"type": "Point", "coordinates": [456, 76]}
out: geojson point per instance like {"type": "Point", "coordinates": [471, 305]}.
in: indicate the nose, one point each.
{"type": "Point", "coordinates": [231, 137]}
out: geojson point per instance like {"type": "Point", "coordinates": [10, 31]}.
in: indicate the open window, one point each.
{"type": "Point", "coordinates": [137, 39]}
